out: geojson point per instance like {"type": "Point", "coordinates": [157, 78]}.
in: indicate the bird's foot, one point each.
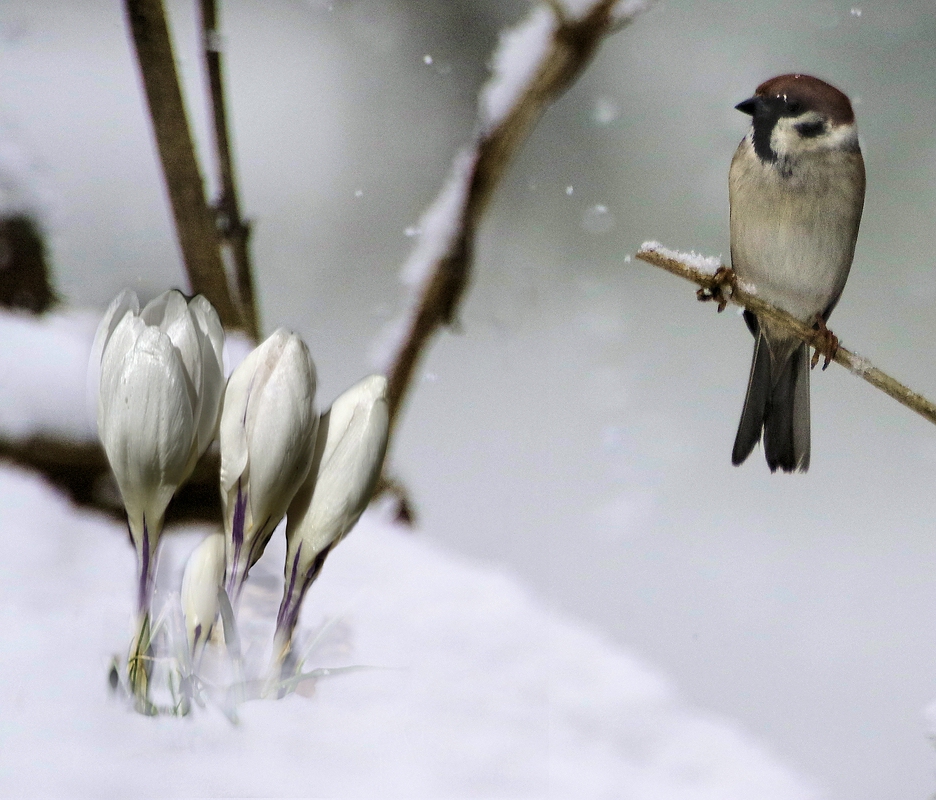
{"type": "Point", "coordinates": [720, 289]}
{"type": "Point", "coordinates": [825, 344]}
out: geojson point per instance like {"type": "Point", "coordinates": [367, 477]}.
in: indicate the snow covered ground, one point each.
{"type": "Point", "coordinates": [476, 691]}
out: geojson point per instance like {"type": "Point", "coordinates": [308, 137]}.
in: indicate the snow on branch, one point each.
{"type": "Point", "coordinates": [708, 273]}
{"type": "Point", "coordinates": [535, 63]}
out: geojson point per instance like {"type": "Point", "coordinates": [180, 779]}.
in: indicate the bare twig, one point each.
{"type": "Point", "coordinates": [195, 228]}
{"type": "Point", "coordinates": [230, 224]}
{"type": "Point", "coordinates": [574, 42]}
{"type": "Point", "coordinates": [681, 265]}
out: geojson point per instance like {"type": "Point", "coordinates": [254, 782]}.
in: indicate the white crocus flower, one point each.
{"type": "Point", "coordinates": [160, 388]}
{"type": "Point", "coordinates": [201, 581]}
{"type": "Point", "coordinates": [352, 443]}
{"type": "Point", "coordinates": [160, 384]}
{"type": "Point", "coordinates": [267, 436]}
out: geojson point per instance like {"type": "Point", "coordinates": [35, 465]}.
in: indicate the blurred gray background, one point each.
{"type": "Point", "coordinates": [577, 431]}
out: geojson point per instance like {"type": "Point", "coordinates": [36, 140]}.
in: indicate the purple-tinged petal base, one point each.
{"type": "Point", "coordinates": [236, 575]}
{"type": "Point", "coordinates": [296, 587]}
{"type": "Point", "coordinates": [146, 563]}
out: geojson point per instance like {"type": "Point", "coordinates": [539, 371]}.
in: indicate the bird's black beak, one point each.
{"type": "Point", "coordinates": [748, 106]}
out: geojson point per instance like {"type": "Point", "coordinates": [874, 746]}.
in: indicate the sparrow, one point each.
{"type": "Point", "coordinates": [796, 190]}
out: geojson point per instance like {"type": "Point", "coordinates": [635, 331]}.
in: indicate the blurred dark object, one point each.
{"type": "Point", "coordinates": [80, 469]}
{"type": "Point", "coordinates": [24, 274]}
{"type": "Point", "coordinates": [393, 488]}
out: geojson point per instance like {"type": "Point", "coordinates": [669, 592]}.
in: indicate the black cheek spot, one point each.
{"type": "Point", "coordinates": [809, 130]}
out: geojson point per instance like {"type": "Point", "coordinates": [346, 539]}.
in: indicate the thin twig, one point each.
{"type": "Point", "coordinates": [679, 265]}
{"type": "Point", "coordinates": [195, 227]}
{"type": "Point", "coordinates": [230, 224]}
{"type": "Point", "coordinates": [574, 42]}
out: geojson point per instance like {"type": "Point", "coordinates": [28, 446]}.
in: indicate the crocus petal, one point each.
{"type": "Point", "coordinates": [170, 313]}
{"type": "Point", "coordinates": [232, 434]}
{"type": "Point", "coordinates": [186, 338]}
{"type": "Point", "coordinates": [145, 420]}
{"type": "Point", "coordinates": [209, 324]}
{"type": "Point", "coordinates": [164, 309]}
{"type": "Point", "coordinates": [121, 341]}
{"type": "Point", "coordinates": [120, 305]}
{"type": "Point", "coordinates": [204, 572]}
{"type": "Point", "coordinates": [212, 384]}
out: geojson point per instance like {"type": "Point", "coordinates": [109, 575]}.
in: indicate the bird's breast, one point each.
{"type": "Point", "coordinates": [793, 227]}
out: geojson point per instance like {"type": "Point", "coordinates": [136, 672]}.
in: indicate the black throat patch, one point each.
{"type": "Point", "coordinates": [764, 119]}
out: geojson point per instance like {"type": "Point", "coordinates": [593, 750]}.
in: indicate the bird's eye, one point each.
{"type": "Point", "coordinates": [794, 107]}
{"type": "Point", "coordinates": [809, 130]}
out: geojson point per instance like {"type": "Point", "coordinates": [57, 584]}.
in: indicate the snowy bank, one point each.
{"type": "Point", "coordinates": [478, 692]}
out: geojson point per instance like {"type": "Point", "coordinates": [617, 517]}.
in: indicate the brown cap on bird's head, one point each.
{"type": "Point", "coordinates": [811, 94]}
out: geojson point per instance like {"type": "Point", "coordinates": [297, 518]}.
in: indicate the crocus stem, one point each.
{"type": "Point", "coordinates": [146, 566]}
{"type": "Point", "coordinates": [140, 664]}
{"type": "Point", "coordinates": [235, 582]}
{"type": "Point", "coordinates": [232, 642]}
{"type": "Point", "coordinates": [140, 660]}
{"type": "Point", "coordinates": [297, 585]}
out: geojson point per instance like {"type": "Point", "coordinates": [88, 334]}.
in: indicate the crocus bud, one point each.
{"type": "Point", "coordinates": [352, 443]}
{"type": "Point", "coordinates": [160, 383]}
{"type": "Point", "coordinates": [160, 387]}
{"type": "Point", "coordinates": [267, 436]}
{"type": "Point", "coordinates": [201, 582]}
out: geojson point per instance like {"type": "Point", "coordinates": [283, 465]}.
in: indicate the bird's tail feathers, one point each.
{"type": "Point", "coordinates": [777, 404]}
{"type": "Point", "coordinates": [755, 402]}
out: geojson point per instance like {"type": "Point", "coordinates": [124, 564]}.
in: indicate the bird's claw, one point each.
{"type": "Point", "coordinates": [720, 289]}
{"type": "Point", "coordinates": [825, 344]}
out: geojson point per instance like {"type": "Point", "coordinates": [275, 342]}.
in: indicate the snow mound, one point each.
{"type": "Point", "coordinates": [478, 691]}
{"type": "Point", "coordinates": [44, 362]}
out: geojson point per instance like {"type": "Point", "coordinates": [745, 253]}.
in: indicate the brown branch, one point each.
{"type": "Point", "coordinates": [574, 42]}
{"type": "Point", "coordinates": [80, 469]}
{"type": "Point", "coordinates": [681, 265]}
{"type": "Point", "coordinates": [195, 227]}
{"type": "Point", "coordinates": [234, 229]}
